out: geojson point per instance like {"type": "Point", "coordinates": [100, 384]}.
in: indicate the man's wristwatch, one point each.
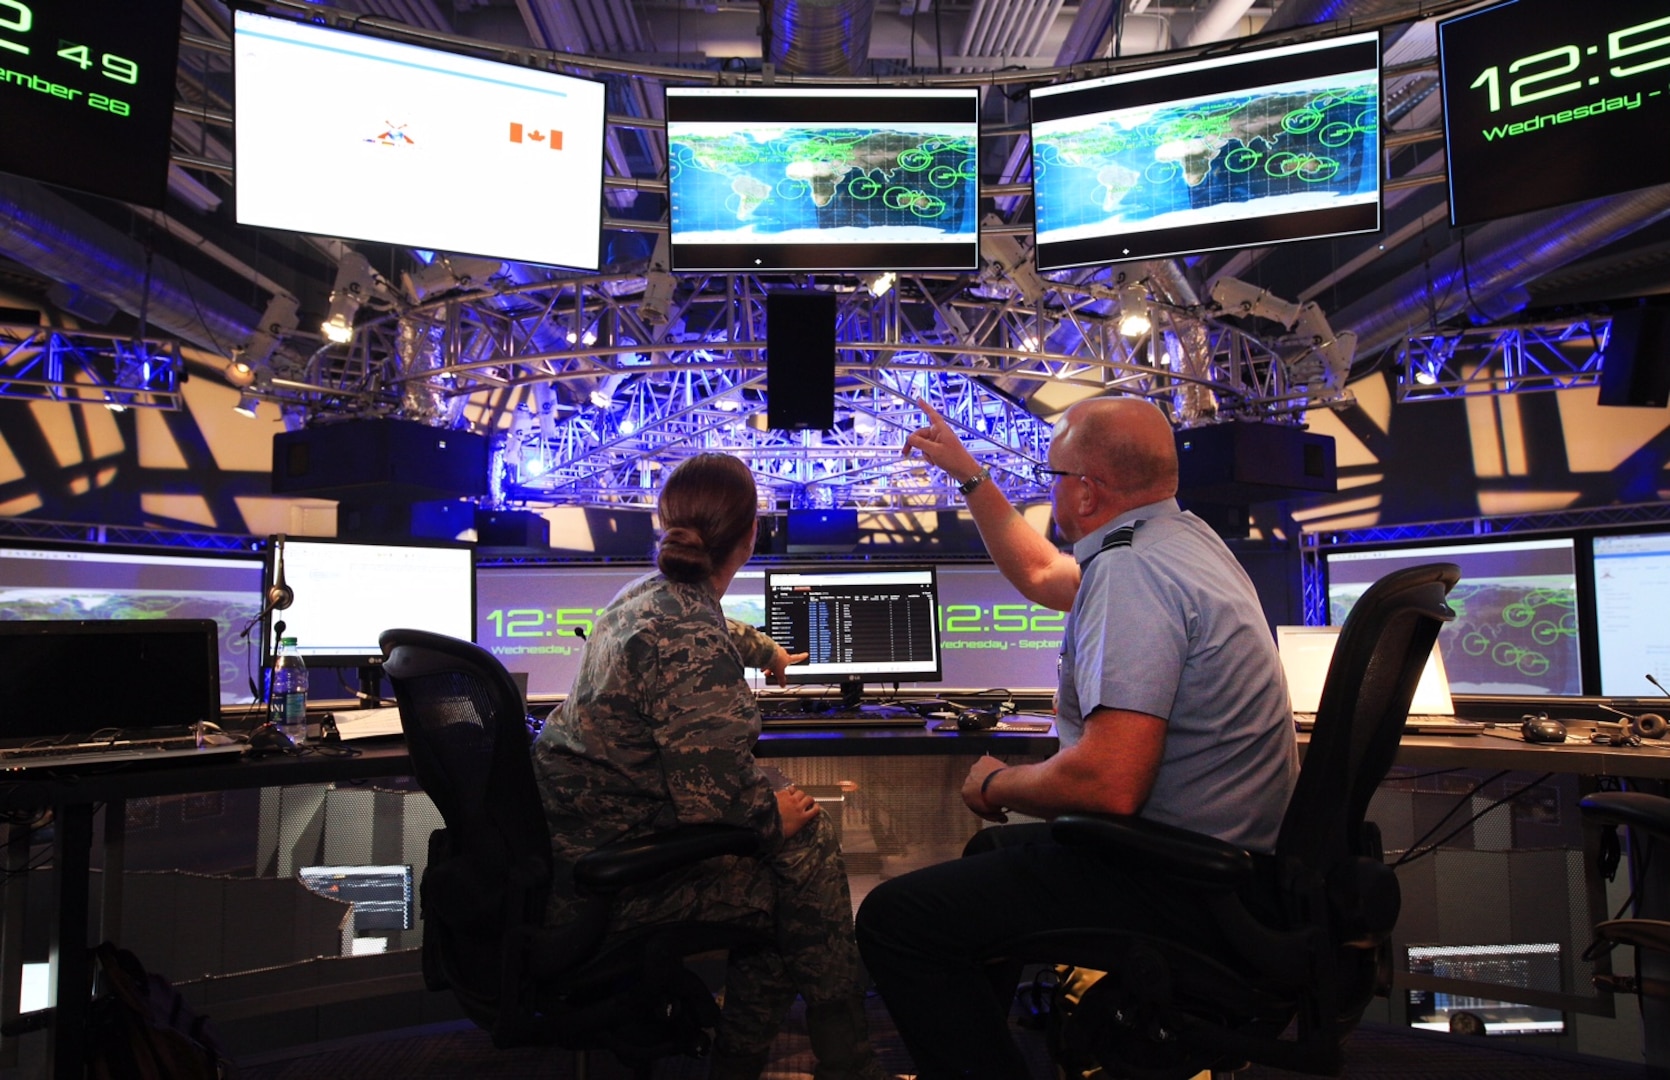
{"type": "Point", "coordinates": [973, 482]}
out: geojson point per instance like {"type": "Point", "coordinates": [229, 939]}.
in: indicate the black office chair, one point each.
{"type": "Point", "coordinates": [1310, 924]}
{"type": "Point", "coordinates": [490, 869]}
{"type": "Point", "coordinates": [1647, 816]}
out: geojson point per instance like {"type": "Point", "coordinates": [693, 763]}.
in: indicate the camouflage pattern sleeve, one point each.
{"type": "Point", "coordinates": [755, 646]}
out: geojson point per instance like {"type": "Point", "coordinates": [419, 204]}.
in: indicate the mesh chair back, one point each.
{"type": "Point", "coordinates": [1382, 650]}
{"type": "Point", "coordinates": [468, 736]}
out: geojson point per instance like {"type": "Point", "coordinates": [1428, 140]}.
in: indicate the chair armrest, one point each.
{"type": "Point", "coordinates": [1637, 809]}
{"type": "Point", "coordinates": [625, 863]}
{"type": "Point", "coordinates": [1139, 843]}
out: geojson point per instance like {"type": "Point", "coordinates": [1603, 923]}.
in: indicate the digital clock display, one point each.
{"type": "Point", "coordinates": [1543, 109]}
{"type": "Point", "coordinates": [87, 94]}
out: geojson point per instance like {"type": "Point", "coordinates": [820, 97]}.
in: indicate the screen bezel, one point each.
{"type": "Point", "coordinates": [371, 657]}
{"type": "Point", "coordinates": [832, 674]}
{"type": "Point", "coordinates": [1216, 74]}
{"type": "Point", "coordinates": [565, 215]}
{"type": "Point", "coordinates": [845, 104]}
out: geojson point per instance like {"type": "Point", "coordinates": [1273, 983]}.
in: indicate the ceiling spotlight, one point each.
{"type": "Point", "coordinates": [354, 281]}
{"type": "Point", "coordinates": [881, 283]}
{"type": "Point", "coordinates": [247, 405]}
{"type": "Point", "coordinates": [447, 273]}
{"type": "Point", "coordinates": [1133, 310]}
{"type": "Point", "coordinates": [1425, 377]}
{"type": "Point", "coordinates": [239, 373]}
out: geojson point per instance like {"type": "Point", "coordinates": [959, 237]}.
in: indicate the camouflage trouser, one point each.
{"type": "Point", "coordinates": [798, 897]}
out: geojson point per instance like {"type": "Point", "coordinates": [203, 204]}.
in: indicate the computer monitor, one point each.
{"type": "Point", "coordinates": [1631, 577]}
{"type": "Point", "coordinates": [1522, 967]}
{"type": "Point", "coordinates": [373, 142]}
{"type": "Point", "coordinates": [859, 623]}
{"type": "Point", "coordinates": [837, 178]}
{"type": "Point", "coordinates": [1235, 150]}
{"type": "Point", "coordinates": [381, 895]}
{"type": "Point", "coordinates": [1516, 626]}
{"type": "Point", "coordinates": [345, 594]}
{"type": "Point", "coordinates": [39, 581]}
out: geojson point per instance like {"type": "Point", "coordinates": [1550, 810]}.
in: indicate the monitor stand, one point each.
{"type": "Point", "coordinates": [371, 686]}
{"type": "Point", "coordinates": [852, 704]}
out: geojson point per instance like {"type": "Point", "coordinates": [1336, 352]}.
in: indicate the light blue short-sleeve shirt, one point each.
{"type": "Point", "coordinates": [1167, 623]}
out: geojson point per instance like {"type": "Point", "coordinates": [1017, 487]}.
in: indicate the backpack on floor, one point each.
{"type": "Point", "coordinates": [141, 1028]}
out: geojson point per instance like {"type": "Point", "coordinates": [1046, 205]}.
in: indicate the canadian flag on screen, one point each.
{"type": "Point", "coordinates": [520, 134]}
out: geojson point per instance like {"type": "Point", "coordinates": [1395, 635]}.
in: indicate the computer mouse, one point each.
{"type": "Point", "coordinates": [269, 738]}
{"type": "Point", "coordinates": [1540, 729]}
{"type": "Point", "coordinates": [976, 720]}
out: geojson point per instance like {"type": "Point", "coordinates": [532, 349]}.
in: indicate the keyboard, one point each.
{"type": "Point", "coordinates": [863, 716]}
{"type": "Point", "coordinates": [1414, 724]}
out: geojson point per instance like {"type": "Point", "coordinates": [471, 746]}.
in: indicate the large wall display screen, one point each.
{"type": "Point", "coordinates": [1632, 612]}
{"type": "Point", "coordinates": [359, 137]}
{"type": "Point", "coordinates": [87, 94]}
{"type": "Point", "coordinates": [1229, 151]}
{"type": "Point", "coordinates": [1541, 109]}
{"type": "Point", "coordinates": [1515, 630]}
{"type": "Point", "coordinates": [843, 178]}
{"type": "Point", "coordinates": [990, 638]}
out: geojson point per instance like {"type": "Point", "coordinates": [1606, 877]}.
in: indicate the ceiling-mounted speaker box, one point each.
{"type": "Point", "coordinates": [1238, 463]}
{"type": "Point", "coordinates": [1636, 369]}
{"type": "Point", "coordinates": [379, 461]}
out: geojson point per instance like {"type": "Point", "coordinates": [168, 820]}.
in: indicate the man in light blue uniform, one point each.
{"type": "Point", "coordinates": [1172, 706]}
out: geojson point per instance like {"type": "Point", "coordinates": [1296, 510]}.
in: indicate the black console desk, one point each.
{"type": "Point", "coordinates": [74, 797]}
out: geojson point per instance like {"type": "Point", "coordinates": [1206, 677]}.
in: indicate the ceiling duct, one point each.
{"type": "Point", "coordinates": [820, 37]}
{"type": "Point", "coordinates": [54, 237]}
{"type": "Point", "coordinates": [1500, 258]}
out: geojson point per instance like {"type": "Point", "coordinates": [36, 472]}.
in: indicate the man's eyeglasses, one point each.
{"type": "Point", "coordinates": [1046, 475]}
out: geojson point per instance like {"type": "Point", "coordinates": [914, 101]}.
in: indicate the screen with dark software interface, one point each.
{"type": "Point", "coordinates": [863, 623]}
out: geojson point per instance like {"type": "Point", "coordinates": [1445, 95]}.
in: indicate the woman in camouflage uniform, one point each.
{"type": "Point", "coordinates": [658, 732]}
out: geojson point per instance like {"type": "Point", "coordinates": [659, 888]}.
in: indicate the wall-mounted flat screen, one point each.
{"type": "Point", "coordinates": [107, 583]}
{"type": "Point", "coordinates": [1516, 628]}
{"type": "Point", "coordinates": [839, 178]}
{"type": "Point", "coordinates": [87, 94]}
{"type": "Point", "coordinates": [391, 142]}
{"type": "Point", "coordinates": [1632, 612]}
{"type": "Point", "coordinates": [1541, 110]}
{"type": "Point", "coordinates": [990, 638]}
{"type": "Point", "coordinates": [346, 594]}
{"type": "Point", "coordinates": [1229, 151]}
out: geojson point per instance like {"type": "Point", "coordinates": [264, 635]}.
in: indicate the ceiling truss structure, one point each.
{"type": "Point", "coordinates": [1490, 360]}
{"type": "Point", "coordinates": [589, 397]}
{"type": "Point", "coordinates": [83, 367]}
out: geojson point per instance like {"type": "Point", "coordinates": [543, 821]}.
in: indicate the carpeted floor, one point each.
{"type": "Point", "coordinates": [445, 1052]}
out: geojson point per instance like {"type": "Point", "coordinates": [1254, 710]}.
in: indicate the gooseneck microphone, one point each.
{"type": "Point", "coordinates": [1658, 684]}
{"type": "Point", "coordinates": [580, 632]}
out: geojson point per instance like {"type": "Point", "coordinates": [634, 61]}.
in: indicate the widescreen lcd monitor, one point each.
{"type": "Point", "coordinates": [1541, 109]}
{"type": "Point", "coordinates": [836, 179]}
{"type": "Point", "coordinates": [1230, 151]}
{"type": "Point", "coordinates": [87, 94]}
{"type": "Point", "coordinates": [343, 134]}
{"type": "Point", "coordinates": [107, 583]}
{"type": "Point", "coordinates": [860, 624]}
{"type": "Point", "coordinates": [345, 594]}
{"type": "Point", "coordinates": [1632, 612]}
{"type": "Point", "coordinates": [1516, 627]}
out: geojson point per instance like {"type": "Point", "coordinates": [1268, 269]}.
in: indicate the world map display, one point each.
{"type": "Point", "coordinates": [812, 183]}
{"type": "Point", "coordinates": [1282, 149]}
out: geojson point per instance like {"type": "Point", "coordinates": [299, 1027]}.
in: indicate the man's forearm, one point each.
{"type": "Point", "coordinates": [1023, 555]}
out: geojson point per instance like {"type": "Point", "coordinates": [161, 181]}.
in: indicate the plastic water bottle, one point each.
{"type": "Point", "coordinates": [288, 707]}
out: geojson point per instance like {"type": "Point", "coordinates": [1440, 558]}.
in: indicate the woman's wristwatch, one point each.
{"type": "Point", "coordinates": [973, 482]}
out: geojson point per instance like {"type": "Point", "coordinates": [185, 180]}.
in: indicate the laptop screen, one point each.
{"type": "Point", "coordinates": [152, 674]}
{"type": "Point", "coordinates": [1306, 652]}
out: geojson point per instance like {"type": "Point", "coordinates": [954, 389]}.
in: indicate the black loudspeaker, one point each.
{"type": "Point", "coordinates": [379, 461]}
{"type": "Point", "coordinates": [800, 361]}
{"type": "Point", "coordinates": [512, 528]}
{"type": "Point", "coordinates": [1636, 371]}
{"type": "Point", "coordinates": [1241, 463]}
